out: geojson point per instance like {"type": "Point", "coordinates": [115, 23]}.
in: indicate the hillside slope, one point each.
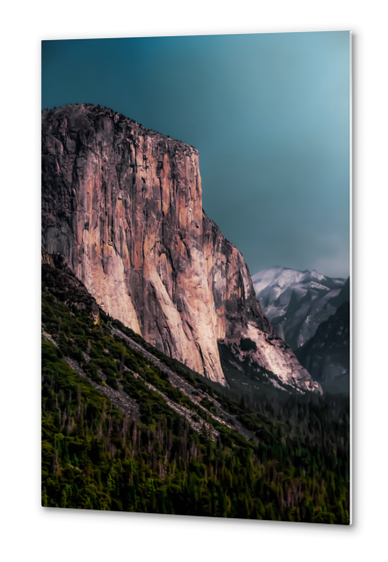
{"type": "Point", "coordinates": [327, 353]}
{"type": "Point", "coordinates": [126, 428]}
{"type": "Point", "coordinates": [297, 302]}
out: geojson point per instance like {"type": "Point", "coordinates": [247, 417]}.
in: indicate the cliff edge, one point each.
{"type": "Point", "coordinates": [123, 206]}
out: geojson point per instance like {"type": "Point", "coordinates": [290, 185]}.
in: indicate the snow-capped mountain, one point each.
{"type": "Point", "coordinates": [296, 302]}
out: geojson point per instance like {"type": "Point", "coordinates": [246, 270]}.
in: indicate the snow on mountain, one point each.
{"type": "Point", "coordinates": [296, 302]}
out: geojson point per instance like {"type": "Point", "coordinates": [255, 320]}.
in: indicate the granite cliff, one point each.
{"type": "Point", "coordinates": [123, 205]}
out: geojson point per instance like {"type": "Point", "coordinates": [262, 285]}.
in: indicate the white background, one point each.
{"type": "Point", "coordinates": [27, 530]}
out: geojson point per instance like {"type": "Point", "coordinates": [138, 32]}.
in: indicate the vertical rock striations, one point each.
{"type": "Point", "coordinates": [123, 205]}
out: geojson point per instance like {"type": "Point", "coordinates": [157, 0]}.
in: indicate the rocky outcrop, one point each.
{"type": "Point", "coordinates": [241, 323]}
{"type": "Point", "coordinates": [123, 205]}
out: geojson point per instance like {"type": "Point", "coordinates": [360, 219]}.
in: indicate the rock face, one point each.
{"type": "Point", "coordinates": [123, 205]}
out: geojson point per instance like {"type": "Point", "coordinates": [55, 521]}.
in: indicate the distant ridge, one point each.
{"type": "Point", "coordinates": [297, 302]}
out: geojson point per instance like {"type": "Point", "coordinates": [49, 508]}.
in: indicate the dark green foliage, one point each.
{"type": "Point", "coordinates": [93, 457]}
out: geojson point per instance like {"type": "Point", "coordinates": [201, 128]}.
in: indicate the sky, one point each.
{"type": "Point", "coordinates": [269, 114]}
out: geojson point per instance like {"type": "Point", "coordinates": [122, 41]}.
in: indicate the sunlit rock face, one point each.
{"type": "Point", "coordinates": [123, 205]}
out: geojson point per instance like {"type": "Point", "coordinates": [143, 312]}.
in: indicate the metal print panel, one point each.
{"type": "Point", "coordinates": [197, 363]}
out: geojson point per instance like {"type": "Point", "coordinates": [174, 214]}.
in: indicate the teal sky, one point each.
{"type": "Point", "coordinates": [269, 114]}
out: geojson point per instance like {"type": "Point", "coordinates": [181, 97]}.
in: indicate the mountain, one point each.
{"type": "Point", "coordinates": [123, 205]}
{"type": "Point", "coordinates": [297, 302]}
{"type": "Point", "coordinates": [327, 354]}
{"type": "Point", "coordinates": [126, 428]}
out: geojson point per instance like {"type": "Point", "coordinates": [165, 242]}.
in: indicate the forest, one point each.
{"type": "Point", "coordinates": [294, 466]}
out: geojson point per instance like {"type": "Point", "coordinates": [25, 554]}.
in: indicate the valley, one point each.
{"type": "Point", "coordinates": [125, 427]}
